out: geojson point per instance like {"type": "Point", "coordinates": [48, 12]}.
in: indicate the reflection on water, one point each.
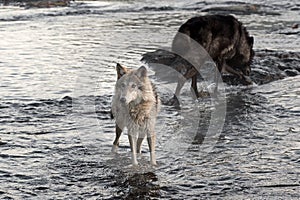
{"type": "Point", "coordinates": [56, 85]}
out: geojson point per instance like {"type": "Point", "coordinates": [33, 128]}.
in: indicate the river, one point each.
{"type": "Point", "coordinates": [56, 85]}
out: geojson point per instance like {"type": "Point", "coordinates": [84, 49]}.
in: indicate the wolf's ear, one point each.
{"type": "Point", "coordinates": [121, 70]}
{"type": "Point", "coordinates": [141, 72]}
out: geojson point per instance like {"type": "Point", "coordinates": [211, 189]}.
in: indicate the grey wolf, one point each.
{"type": "Point", "coordinates": [135, 105]}
{"type": "Point", "coordinates": [224, 38]}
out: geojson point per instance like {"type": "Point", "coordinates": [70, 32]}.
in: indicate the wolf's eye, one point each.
{"type": "Point", "coordinates": [123, 85]}
{"type": "Point", "coordinates": [141, 87]}
{"type": "Point", "coordinates": [133, 85]}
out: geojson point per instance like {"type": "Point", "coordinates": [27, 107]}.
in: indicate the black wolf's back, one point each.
{"type": "Point", "coordinates": [222, 36]}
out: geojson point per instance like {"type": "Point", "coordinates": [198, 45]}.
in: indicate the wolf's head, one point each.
{"type": "Point", "coordinates": [244, 54]}
{"type": "Point", "coordinates": [132, 85]}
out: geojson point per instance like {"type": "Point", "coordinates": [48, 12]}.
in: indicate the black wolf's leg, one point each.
{"type": "Point", "coordinates": [174, 101]}
{"type": "Point", "coordinates": [116, 141]}
{"type": "Point", "coordinates": [217, 76]}
{"type": "Point", "coordinates": [181, 81]}
{"type": "Point", "coordinates": [180, 84]}
{"type": "Point", "coordinates": [194, 85]}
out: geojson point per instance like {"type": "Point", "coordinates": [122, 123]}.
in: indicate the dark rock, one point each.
{"type": "Point", "coordinates": [46, 4]}
{"type": "Point", "coordinates": [294, 26]}
{"type": "Point", "coordinates": [243, 9]}
{"type": "Point", "coordinates": [291, 72]}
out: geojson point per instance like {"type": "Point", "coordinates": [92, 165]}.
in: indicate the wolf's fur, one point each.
{"type": "Point", "coordinates": [224, 38]}
{"type": "Point", "coordinates": [135, 105]}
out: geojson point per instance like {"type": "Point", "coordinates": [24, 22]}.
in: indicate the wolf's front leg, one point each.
{"type": "Point", "coordinates": [151, 143]}
{"type": "Point", "coordinates": [116, 141]}
{"type": "Point", "coordinates": [139, 144]}
{"type": "Point", "coordinates": [133, 146]}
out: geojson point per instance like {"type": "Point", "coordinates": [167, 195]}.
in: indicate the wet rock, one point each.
{"type": "Point", "coordinates": [275, 65]}
{"type": "Point", "coordinates": [37, 3]}
{"type": "Point", "coordinates": [294, 26]}
{"type": "Point", "coordinates": [138, 186]}
{"type": "Point", "coordinates": [2, 143]}
{"type": "Point", "coordinates": [243, 9]}
{"type": "Point", "coordinates": [162, 8]}
{"type": "Point", "coordinates": [67, 99]}
{"type": "Point", "coordinates": [291, 29]}
{"type": "Point", "coordinates": [296, 8]}
{"type": "Point", "coordinates": [291, 72]}
{"type": "Point", "coordinates": [46, 4]}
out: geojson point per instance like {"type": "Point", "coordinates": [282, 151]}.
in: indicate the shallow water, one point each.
{"type": "Point", "coordinates": [56, 87]}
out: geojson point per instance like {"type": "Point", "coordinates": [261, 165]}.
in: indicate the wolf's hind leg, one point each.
{"type": "Point", "coordinates": [151, 143]}
{"type": "Point", "coordinates": [174, 101]}
{"type": "Point", "coordinates": [180, 84]}
{"type": "Point", "coordinates": [133, 146]}
{"type": "Point", "coordinates": [116, 141]}
{"type": "Point", "coordinates": [194, 86]}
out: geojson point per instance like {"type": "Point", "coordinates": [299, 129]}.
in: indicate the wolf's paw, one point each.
{"type": "Point", "coordinates": [153, 158]}
{"type": "Point", "coordinates": [154, 163]}
{"type": "Point", "coordinates": [114, 149]}
{"type": "Point", "coordinates": [247, 80]}
{"type": "Point", "coordinates": [173, 102]}
{"type": "Point", "coordinates": [135, 164]}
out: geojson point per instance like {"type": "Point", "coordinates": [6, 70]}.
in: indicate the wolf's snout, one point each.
{"type": "Point", "coordinates": [123, 99]}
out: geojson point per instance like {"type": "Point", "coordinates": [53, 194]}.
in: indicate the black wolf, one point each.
{"type": "Point", "coordinates": [224, 38]}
